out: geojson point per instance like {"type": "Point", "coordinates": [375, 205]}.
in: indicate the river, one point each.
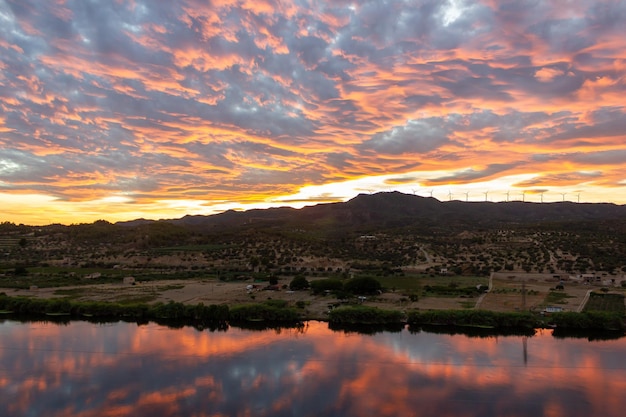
{"type": "Point", "coordinates": [124, 369]}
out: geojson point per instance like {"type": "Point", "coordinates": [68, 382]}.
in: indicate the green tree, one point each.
{"type": "Point", "coordinates": [21, 270]}
{"type": "Point", "coordinates": [299, 282]}
{"type": "Point", "coordinates": [323, 285]}
{"type": "Point", "coordinates": [363, 285]}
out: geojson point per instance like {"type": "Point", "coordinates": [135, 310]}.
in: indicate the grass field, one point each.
{"type": "Point", "coordinates": [555, 297]}
{"type": "Point", "coordinates": [416, 283]}
{"type": "Point", "coordinates": [189, 248]}
{"type": "Point", "coordinates": [612, 303]}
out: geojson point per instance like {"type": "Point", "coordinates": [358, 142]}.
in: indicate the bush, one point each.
{"type": "Point", "coordinates": [598, 320]}
{"type": "Point", "coordinates": [324, 285]}
{"type": "Point", "coordinates": [363, 285]}
{"type": "Point", "coordinates": [299, 283]}
{"type": "Point", "coordinates": [252, 312]}
{"type": "Point", "coordinates": [482, 318]}
{"type": "Point", "coordinates": [20, 271]}
{"type": "Point", "coordinates": [171, 310]}
{"type": "Point", "coordinates": [364, 315]}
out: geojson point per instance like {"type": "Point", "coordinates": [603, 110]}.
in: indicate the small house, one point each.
{"type": "Point", "coordinates": [129, 280]}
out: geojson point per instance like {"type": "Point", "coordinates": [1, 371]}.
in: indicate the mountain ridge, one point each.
{"type": "Point", "coordinates": [395, 209]}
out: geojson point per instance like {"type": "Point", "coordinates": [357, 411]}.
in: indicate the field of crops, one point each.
{"type": "Point", "coordinates": [611, 302]}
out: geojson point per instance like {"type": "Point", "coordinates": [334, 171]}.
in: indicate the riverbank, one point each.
{"type": "Point", "coordinates": [279, 311]}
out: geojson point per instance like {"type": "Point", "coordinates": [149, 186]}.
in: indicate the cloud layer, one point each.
{"type": "Point", "coordinates": [233, 102]}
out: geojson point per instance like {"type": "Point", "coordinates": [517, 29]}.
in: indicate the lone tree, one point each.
{"type": "Point", "coordinates": [20, 270]}
{"type": "Point", "coordinates": [299, 282]}
{"type": "Point", "coordinates": [363, 285]}
{"type": "Point", "coordinates": [327, 284]}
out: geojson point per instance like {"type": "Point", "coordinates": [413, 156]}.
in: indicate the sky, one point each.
{"type": "Point", "coordinates": [119, 110]}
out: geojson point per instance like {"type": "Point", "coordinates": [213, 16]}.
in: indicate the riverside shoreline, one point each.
{"type": "Point", "coordinates": [277, 311]}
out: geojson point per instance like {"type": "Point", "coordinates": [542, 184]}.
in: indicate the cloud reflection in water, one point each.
{"type": "Point", "coordinates": [85, 369]}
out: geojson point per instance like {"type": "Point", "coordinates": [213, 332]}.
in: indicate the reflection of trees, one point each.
{"type": "Point", "coordinates": [278, 373]}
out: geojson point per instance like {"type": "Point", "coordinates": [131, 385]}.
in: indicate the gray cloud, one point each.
{"type": "Point", "coordinates": [417, 136]}
{"type": "Point", "coordinates": [187, 97]}
{"type": "Point", "coordinates": [474, 174]}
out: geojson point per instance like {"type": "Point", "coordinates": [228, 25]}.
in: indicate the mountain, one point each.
{"type": "Point", "coordinates": [393, 210]}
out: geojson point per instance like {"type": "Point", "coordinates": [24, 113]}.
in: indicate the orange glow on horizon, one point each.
{"type": "Point", "coordinates": [251, 104]}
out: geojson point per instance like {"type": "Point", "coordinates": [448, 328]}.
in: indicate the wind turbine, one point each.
{"type": "Point", "coordinates": [523, 196]}
{"type": "Point", "coordinates": [431, 193]}
{"type": "Point", "coordinates": [507, 196]}
{"type": "Point", "coordinates": [486, 194]}
{"type": "Point", "coordinates": [563, 194]}
{"type": "Point", "coordinates": [541, 193]}
{"type": "Point", "coordinates": [449, 195]}
{"type": "Point", "coordinates": [466, 196]}
{"type": "Point", "coordinates": [578, 197]}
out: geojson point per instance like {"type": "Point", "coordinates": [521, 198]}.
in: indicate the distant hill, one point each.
{"type": "Point", "coordinates": [393, 210]}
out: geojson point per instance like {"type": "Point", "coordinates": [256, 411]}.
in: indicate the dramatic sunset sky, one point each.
{"type": "Point", "coordinates": [124, 109]}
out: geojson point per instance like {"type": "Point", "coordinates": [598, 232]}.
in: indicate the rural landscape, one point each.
{"type": "Point", "coordinates": [387, 251]}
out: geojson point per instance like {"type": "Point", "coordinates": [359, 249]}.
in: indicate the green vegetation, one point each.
{"type": "Point", "coordinates": [370, 329]}
{"type": "Point", "coordinates": [452, 290]}
{"type": "Point", "coordinates": [299, 282]}
{"type": "Point", "coordinates": [326, 285]}
{"type": "Point", "coordinates": [611, 303]}
{"type": "Point", "coordinates": [477, 318]}
{"type": "Point", "coordinates": [467, 304]}
{"type": "Point", "coordinates": [70, 292]}
{"type": "Point", "coordinates": [557, 297]}
{"type": "Point", "coordinates": [593, 320]}
{"type": "Point", "coordinates": [455, 281]}
{"type": "Point", "coordinates": [136, 298]}
{"type": "Point", "coordinates": [36, 307]}
{"type": "Point", "coordinates": [407, 283]}
{"type": "Point", "coordinates": [364, 315]}
{"type": "Point", "coordinates": [189, 248]}
{"type": "Point", "coordinates": [363, 285]}
{"type": "Point", "coordinates": [490, 319]}
{"type": "Point", "coordinates": [50, 277]}
{"type": "Point", "coordinates": [271, 310]}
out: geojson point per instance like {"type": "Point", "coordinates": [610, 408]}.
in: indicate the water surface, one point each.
{"type": "Point", "coordinates": [87, 369]}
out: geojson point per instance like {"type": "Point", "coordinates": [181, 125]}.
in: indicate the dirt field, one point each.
{"type": "Point", "coordinates": [505, 294]}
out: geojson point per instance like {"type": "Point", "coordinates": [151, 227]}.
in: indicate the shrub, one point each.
{"type": "Point", "coordinates": [363, 285]}
{"type": "Point", "coordinates": [472, 318]}
{"type": "Point", "coordinates": [253, 312]}
{"type": "Point", "coordinates": [20, 271]}
{"type": "Point", "coordinates": [364, 315]}
{"type": "Point", "coordinates": [299, 283]}
{"type": "Point", "coordinates": [323, 285]}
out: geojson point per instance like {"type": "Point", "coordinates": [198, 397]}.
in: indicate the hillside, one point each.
{"type": "Point", "coordinates": [384, 233]}
{"type": "Point", "coordinates": [396, 210]}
